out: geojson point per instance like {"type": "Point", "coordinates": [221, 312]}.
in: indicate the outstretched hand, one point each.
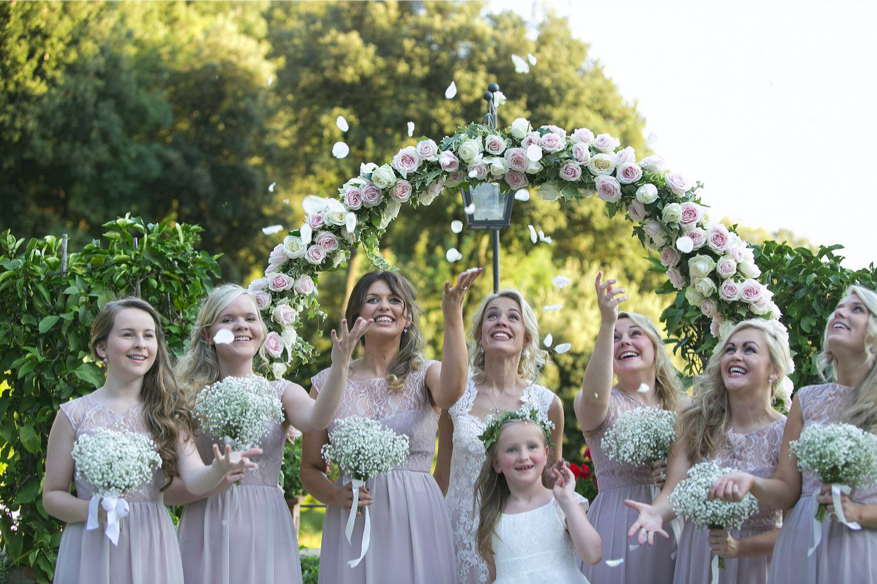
{"type": "Point", "coordinates": [731, 487]}
{"type": "Point", "coordinates": [564, 481]}
{"type": "Point", "coordinates": [647, 524]}
{"type": "Point", "coordinates": [608, 298]}
{"type": "Point", "coordinates": [453, 296]}
{"type": "Point", "coordinates": [345, 340]}
{"type": "Point", "coordinates": [235, 463]}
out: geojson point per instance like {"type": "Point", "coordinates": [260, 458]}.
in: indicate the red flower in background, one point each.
{"type": "Point", "coordinates": [580, 471]}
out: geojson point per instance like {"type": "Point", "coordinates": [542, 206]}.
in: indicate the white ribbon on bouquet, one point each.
{"type": "Point", "coordinates": [351, 519]}
{"type": "Point", "coordinates": [115, 507]}
{"type": "Point", "coordinates": [836, 490]}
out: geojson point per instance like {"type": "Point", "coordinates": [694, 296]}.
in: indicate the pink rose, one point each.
{"type": "Point", "coordinates": [581, 153]}
{"type": "Point", "coordinates": [494, 145]}
{"type": "Point", "coordinates": [274, 345]}
{"type": "Point", "coordinates": [738, 253]}
{"type": "Point", "coordinates": [676, 278]}
{"type": "Point", "coordinates": [406, 161]}
{"type": "Point", "coordinates": [353, 198]}
{"type": "Point", "coordinates": [751, 291]}
{"type": "Point", "coordinates": [608, 188]}
{"type": "Point", "coordinates": [698, 237]}
{"type": "Point", "coordinates": [315, 220]}
{"type": "Point", "coordinates": [517, 159]}
{"type": "Point", "coordinates": [624, 155]}
{"type": "Point", "coordinates": [653, 163]}
{"type": "Point", "coordinates": [570, 171]}
{"type": "Point", "coordinates": [436, 187]}
{"type": "Point", "coordinates": [479, 171]}
{"type": "Point", "coordinates": [709, 307]}
{"type": "Point", "coordinates": [691, 214]}
{"type": "Point", "coordinates": [726, 267]}
{"type": "Point", "coordinates": [455, 178]}
{"type": "Point", "coordinates": [279, 282]}
{"type": "Point", "coordinates": [669, 257]}
{"type": "Point", "coordinates": [257, 285]}
{"type": "Point", "coordinates": [636, 211]}
{"type": "Point", "coordinates": [277, 258]}
{"type": "Point", "coordinates": [718, 237]}
{"type": "Point", "coordinates": [531, 139]}
{"type": "Point", "coordinates": [653, 229]}
{"type": "Point", "coordinates": [427, 150]}
{"type": "Point", "coordinates": [516, 180]}
{"type": "Point", "coordinates": [283, 314]}
{"type": "Point", "coordinates": [327, 241]}
{"type": "Point", "coordinates": [583, 136]}
{"type": "Point", "coordinates": [554, 130]}
{"type": "Point", "coordinates": [304, 285]}
{"type": "Point", "coordinates": [761, 306]}
{"type": "Point", "coordinates": [449, 161]}
{"type": "Point", "coordinates": [729, 290]}
{"type": "Point", "coordinates": [263, 300]}
{"type": "Point", "coordinates": [677, 183]}
{"type": "Point", "coordinates": [715, 324]}
{"type": "Point", "coordinates": [628, 173]}
{"type": "Point", "coordinates": [315, 255]}
{"type": "Point", "coordinates": [606, 143]}
{"type": "Point", "coordinates": [371, 195]}
{"type": "Point", "coordinates": [552, 143]}
{"type": "Point", "coordinates": [402, 191]}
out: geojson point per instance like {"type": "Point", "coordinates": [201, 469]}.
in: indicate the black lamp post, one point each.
{"type": "Point", "coordinates": [485, 206]}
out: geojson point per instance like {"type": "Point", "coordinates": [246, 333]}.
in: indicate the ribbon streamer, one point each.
{"type": "Point", "coordinates": [116, 509]}
{"type": "Point", "coordinates": [836, 490]}
{"type": "Point", "coordinates": [351, 520]}
{"type": "Point", "coordinates": [817, 529]}
{"type": "Point", "coordinates": [714, 570]}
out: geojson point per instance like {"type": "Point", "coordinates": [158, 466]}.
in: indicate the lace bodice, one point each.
{"type": "Point", "coordinates": [466, 461]}
{"type": "Point", "coordinates": [756, 453]}
{"type": "Point", "coordinates": [87, 415]}
{"type": "Point", "coordinates": [534, 541]}
{"type": "Point", "coordinates": [610, 473]}
{"type": "Point", "coordinates": [271, 444]}
{"type": "Point", "coordinates": [407, 412]}
{"type": "Point", "coordinates": [826, 404]}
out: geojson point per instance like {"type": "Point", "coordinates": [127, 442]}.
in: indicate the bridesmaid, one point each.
{"type": "Point", "coordinates": [843, 555]}
{"type": "Point", "coordinates": [504, 363]}
{"type": "Point", "coordinates": [628, 346]}
{"type": "Point", "coordinates": [246, 536]}
{"type": "Point", "coordinates": [410, 532]}
{"type": "Point", "coordinates": [140, 395]}
{"type": "Point", "coordinates": [730, 421]}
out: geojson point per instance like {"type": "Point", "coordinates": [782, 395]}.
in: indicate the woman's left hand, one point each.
{"type": "Point", "coordinates": [722, 544]}
{"type": "Point", "coordinates": [659, 473]}
{"type": "Point", "coordinates": [452, 299]}
{"type": "Point", "coordinates": [850, 509]}
{"type": "Point", "coordinates": [564, 481]}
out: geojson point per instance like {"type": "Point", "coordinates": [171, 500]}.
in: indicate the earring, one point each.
{"type": "Point", "coordinates": [481, 349]}
{"type": "Point", "coordinates": [405, 331]}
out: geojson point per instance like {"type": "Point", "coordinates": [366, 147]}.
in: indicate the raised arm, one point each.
{"type": "Point", "coordinates": [57, 500]}
{"type": "Point", "coordinates": [592, 402]}
{"type": "Point", "coordinates": [446, 381]}
{"type": "Point", "coordinates": [555, 415]}
{"type": "Point", "coordinates": [442, 472]}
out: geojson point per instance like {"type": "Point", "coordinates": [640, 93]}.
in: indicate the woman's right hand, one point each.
{"type": "Point", "coordinates": [344, 498]}
{"type": "Point", "coordinates": [647, 524]}
{"type": "Point", "coordinates": [659, 472]}
{"type": "Point", "coordinates": [608, 299]}
{"type": "Point", "coordinates": [731, 487]}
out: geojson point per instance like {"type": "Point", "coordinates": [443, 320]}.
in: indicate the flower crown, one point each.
{"type": "Point", "coordinates": [495, 422]}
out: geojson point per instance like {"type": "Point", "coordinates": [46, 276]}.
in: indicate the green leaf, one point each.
{"type": "Point", "coordinates": [90, 373]}
{"type": "Point", "coordinates": [27, 494]}
{"type": "Point", "coordinates": [48, 322]}
{"type": "Point", "coordinates": [29, 439]}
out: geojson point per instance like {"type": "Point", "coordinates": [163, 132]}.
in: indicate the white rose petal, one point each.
{"type": "Point", "coordinates": [224, 337]}
{"type": "Point", "coordinates": [451, 91]}
{"type": "Point", "coordinates": [643, 388]}
{"type": "Point", "coordinates": [306, 233]}
{"type": "Point", "coordinates": [272, 229]}
{"type": "Point", "coordinates": [533, 236]}
{"type": "Point", "coordinates": [271, 187]}
{"type": "Point", "coordinates": [531, 58]}
{"type": "Point", "coordinates": [270, 80]}
{"type": "Point", "coordinates": [456, 226]}
{"type": "Point", "coordinates": [340, 150]}
{"type": "Point", "coordinates": [313, 204]}
{"type": "Point", "coordinates": [521, 65]}
{"type": "Point", "coordinates": [410, 129]}
{"type": "Point", "coordinates": [552, 307]}
{"type": "Point", "coordinates": [350, 222]}
{"type": "Point", "coordinates": [341, 123]}
{"type": "Point", "coordinates": [534, 152]}
{"type": "Point", "coordinates": [522, 195]}
{"type": "Point", "coordinates": [470, 210]}
{"type": "Point", "coordinates": [453, 255]}
{"type": "Point", "coordinates": [548, 340]}
{"type": "Point", "coordinates": [562, 348]}
{"type": "Point", "coordinates": [685, 244]}
{"type": "Point", "coordinates": [560, 281]}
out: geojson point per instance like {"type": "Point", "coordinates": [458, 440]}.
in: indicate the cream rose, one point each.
{"type": "Point", "coordinates": [293, 247]}
{"type": "Point", "coordinates": [497, 165]}
{"type": "Point", "coordinates": [520, 128]}
{"type": "Point", "coordinates": [701, 266]}
{"type": "Point", "coordinates": [647, 193]}
{"type": "Point", "coordinates": [600, 164]}
{"type": "Point", "coordinates": [382, 177]}
{"type": "Point", "coordinates": [705, 286]}
{"type": "Point", "coordinates": [748, 269]}
{"type": "Point", "coordinates": [693, 296]}
{"type": "Point", "coordinates": [672, 213]}
{"type": "Point", "coordinates": [469, 149]}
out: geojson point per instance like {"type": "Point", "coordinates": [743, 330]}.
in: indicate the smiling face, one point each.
{"type": "Point", "coordinates": [502, 328]}
{"type": "Point", "coordinates": [746, 363]}
{"type": "Point", "coordinates": [847, 326]}
{"type": "Point", "coordinates": [521, 453]}
{"type": "Point", "coordinates": [633, 350]}
{"type": "Point", "coordinates": [386, 308]}
{"type": "Point", "coordinates": [132, 345]}
{"type": "Point", "coordinates": [241, 318]}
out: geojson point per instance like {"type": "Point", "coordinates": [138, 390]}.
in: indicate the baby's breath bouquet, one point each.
{"type": "Point", "coordinates": [238, 409]}
{"type": "Point", "coordinates": [362, 448]}
{"type": "Point", "coordinates": [113, 462]}
{"type": "Point", "coordinates": [690, 502]}
{"type": "Point", "coordinates": [641, 437]}
{"type": "Point", "coordinates": [840, 455]}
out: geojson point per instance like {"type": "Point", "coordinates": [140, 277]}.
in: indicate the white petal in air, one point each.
{"type": "Point", "coordinates": [552, 307]}
{"type": "Point", "coordinates": [532, 233]}
{"type": "Point", "coordinates": [451, 91]}
{"type": "Point", "coordinates": [306, 233]}
{"type": "Point", "coordinates": [270, 80]}
{"type": "Point", "coordinates": [453, 255]}
{"type": "Point", "coordinates": [643, 388]}
{"type": "Point", "coordinates": [521, 65]}
{"type": "Point", "coordinates": [548, 340]}
{"type": "Point", "coordinates": [271, 187]}
{"type": "Point", "coordinates": [560, 281]}
{"type": "Point", "coordinates": [652, 138]}
{"type": "Point", "coordinates": [534, 152]}
{"type": "Point", "coordinates": [614, 563]}
{"type": "Point", "coordinates": [410, 129]}
{"type": "Point", "coordinates": [340, 150]}
{"type": "Point", "coordinates": [272, 229]}
{"type": "Point", "coordinates": [470, 210]}
{"type": "Point", "coordinates": [456, 226]}
{"type": "Point", "coordinates": [224, 337]}
{"type": "Point", "coordinates": [341, 123]}
{"type": "Point", "coordinates": [531, 58]}
{"type": "Point", "coordinates": [562, 348]}
{"type": "Point", "coordinates": [285, 201]}
{"type": "Point", "coordinates": [313, 204]}
{"type": "Point", "coordinates": [350, 222]}
{"type": "Point", "coordinates": [522, 195]}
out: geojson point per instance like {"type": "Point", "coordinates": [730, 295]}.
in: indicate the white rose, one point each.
{"type": "Point", "coordinates": [705, 286]}
{"type": "Point", "coordinates": [583, 136]}
{"type": "Point", "coordinates": [498, 166]}
{"type": "Point", "coordinates": [284, 314]}
{"type": "Point", "coordinates": [653, 163]}
{"type": "Point", "coordinates": [279, 370]}
{"type": "Point", "coordinates": [726, 267]}
{"type": "Point", "coordinates": [520, 128]}
{"type": "Point", "coordinates": [601, 164]}
{"type": "Point", "coordinates": [677, 183]}
{"type": "Point", "coordinates": [384, 176]}
{"type": "Point", "coordinates": [672, 213]}
{"type": "Point", "coordinates": [606, 143]}
{"type": "Point", "coordinates": [294, 247]}
{"type": "Point", "coordinates": [469, 149]}
{"type": "Point", "coordinates": [647, 193]}
{"type": "Point", "coordinates": [533, 166]}
{"type": "Point", "coordinates": [693, 296]}
{"type": "Point", "coordinates": [749, 269]}
{"type": "Point", "coordinates": [335, 213]}
{"type": "Point", "coordinates": [701, 266]}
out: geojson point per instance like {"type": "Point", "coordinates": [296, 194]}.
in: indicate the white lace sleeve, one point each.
{"type": "Point", "coordinates": [561, 516]}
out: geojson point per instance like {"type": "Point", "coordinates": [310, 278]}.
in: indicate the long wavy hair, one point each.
{"type": "Point", "coordinates": [863, 413]}
{"type": "Point", "coordinates": [492, 491]}
{"type": "Point", "coordinates": [533, 358]}
{"type": "Point", "coordinates": [667, 386]}
{"type": "Point", "coordinates": [199, 367]}
{"type": "Point", "coordinates": [410, 357]}
{"type": "Point", "coordinates": [708, 417]}
{"type": "Point", "coordinates": [164, 409]}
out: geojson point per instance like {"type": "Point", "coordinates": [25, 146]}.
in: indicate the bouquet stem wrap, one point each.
{"type": "Point", "coordinates": [116, 508]}
{"type": "Point", "coordinates": [351, 520]}
{"type": "Point", "coordinates": [836, 490]}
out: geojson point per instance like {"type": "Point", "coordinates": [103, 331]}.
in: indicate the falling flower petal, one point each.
{"type": "Point", "coordinates": [286, 201]}
{"type": "Point", "coordinates": [653, 137]}
{"type": "Point", "coordinates": [270, 79]}
{"type": "Point", "coordinates": [271, 187]}
{"type": "Point", "coordinates": [541, 235]}
{"type": "Point", "coordinates": [521, 65]}
{"type": "Point", "coordinates": [522, 195]}
{"type": "Point", "coordinates": [306, 233]}
{"type": "Point", "coordinates": [562, 348]}
{"type": "Point", "coordinates": [350, 222]}
{"type": "Point", "coordinates": [453, 255]}
{"type": "Point", "coordinates": [272, 229]}
{"type": "Point", "coordinates": [340, 150]}
{"type": "Point", "coordinates": [643, 388]}
{"type": "Point", "coordinates": [470, 210]}
{"type": "Point", "coordinates": [532, 233]}
{"type": "Point", "coordinates": [410, 129]}
{"type": "Point", "coordinates": [223, 337]}
{"type": "Point", "coordinates": [531, 58]}
{"type": "Point", "coordinates": [552, 307]}
{"type": "Point", "coordinates": [534, 152]}
{"type": "Point", "coordinates": [313, 204]}
{"type": "Point", "coordinates": [560, 281]}
{"type": "Point", "coordinates": [451, 91]}
{"type": "Point", "coordinates": [456, 226]}
{"type": "Point", "coordinates": [341, 123]}
{"type": "Point", "coordinates": [548, 340]}
{"type": "Point", "coordinates": [547, 240]}
{"type": "Point", "coordinates": [614, 563]}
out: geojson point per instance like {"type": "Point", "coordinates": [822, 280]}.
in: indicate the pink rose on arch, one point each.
{"type": "Point", "coordinates": [304, 285]}
{"type": "Point", "coordinates": [636, 211]}
{"type": "Point", "coordinates": [315, 255]}
{"type": "Point", "coordinates": [751, 291]}
{"type": "Point", "coordinates": [353, 198]}
{"type": "Point", "coordinates": [726, 267]}
{"type": "Point", "coordinates": [283, 314]}
{"type": "Point", "coordinates": [516, 180]}
{"type": "Point", "coordinates": [669, 257]}
{"type": "Point", "coordinates": [274, 345]}
{"type": "Point", "coordinates": [455, 178]}
{"type": "Point", "coordinates": [554, 130]}
{"type": "Point", "coordinates": [581, 153]}
{"type": "Point", "coordinates": [257, 285]}
{"type": "Point", "coordinates": [571, 171]}
{"type": "Point", "coordinates": [371, 195]}
{"type": "Point", "coordinates": [606, 143]}
{"type": "Point", "coordinates": [761, 306]}
{"type": "Point", "coordinates": [718, 237]}
{"type": "Point", "coordinates": [628, 173]}
{"type": "Point", "coordinates": [653, 229]}
{"type": "Point", "coordinates": [436, 186]}
{"type": "Point", "coordinates": [494, 144]}
{"type": "Point", "coordinates": [427, 150]}
{"type": "Point", "coordinates": [449, 161]}
{"type": "Point", "coordinates": [279, 282]}
{"type": "Point", "coordinates": [676, 278]}
{"type": "Point", "coordinates": [315, 220]}
{"type": "Point", "coordinates": [608, 188]}
{"type": "Point", "coordinates": [530, 139]}
{"type": "Point", "coordinates": [738, 253]}
{"type": "Point", "coordinates": [263, 300]}
{"type": "Point", "coordinates": [479, 171]}
{"type": "Point", "coordinates": [677, 183]}
{"type": "Point", "coordinates": [715, 324]}
{"type": "Point", "coordinates": [517, 159]}
{"type": "Point", "coordinates": [698, 237]}
{"type": "Point", "coordinates": [709, 307]}
{"type": "Point", "coordinates": [327, 241]}
{"type": "Point", "coordinates": [583, 136]}
{"type": "Point", "coordinates": [401, 191]}
{"type": "Point", "coordinates": [730, 291]}
{"type": "Point", "coordinates": [691, 214]}
{"type": "Point", "coordinates": [553, 143]}
{"type": "Point", "coordinates": [624, 155]}
{"type": "Point", "coordinates": [276, 259]}
{"type": "Point", "coordinates": [406, 161]}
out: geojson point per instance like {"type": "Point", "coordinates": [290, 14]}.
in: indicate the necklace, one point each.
{"type": "Point", "coordinates": [496, 409]}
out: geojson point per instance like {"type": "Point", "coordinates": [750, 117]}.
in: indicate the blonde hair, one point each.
{"type": "Point", "coordinates": [532, 357]}
{"type": "Point", "coordinates": [707, 419]}
{"type": "Point", "coordinates": [863, 413]}
{"type": "Point", "coordinates": [199, 367]}
{"type": "Point", "coordinates": [492, 491]}
{"type": "Point", "coordinates": [667, 386]}
{"type": "Point", "coordinates": [164, 409]}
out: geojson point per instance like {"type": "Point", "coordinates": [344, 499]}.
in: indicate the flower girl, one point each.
{"type": "Point", "coordinates": [528, 533]}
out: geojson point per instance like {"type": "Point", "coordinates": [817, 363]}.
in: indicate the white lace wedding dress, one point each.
{"type": "Point", "coordinates": [466, 461]}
